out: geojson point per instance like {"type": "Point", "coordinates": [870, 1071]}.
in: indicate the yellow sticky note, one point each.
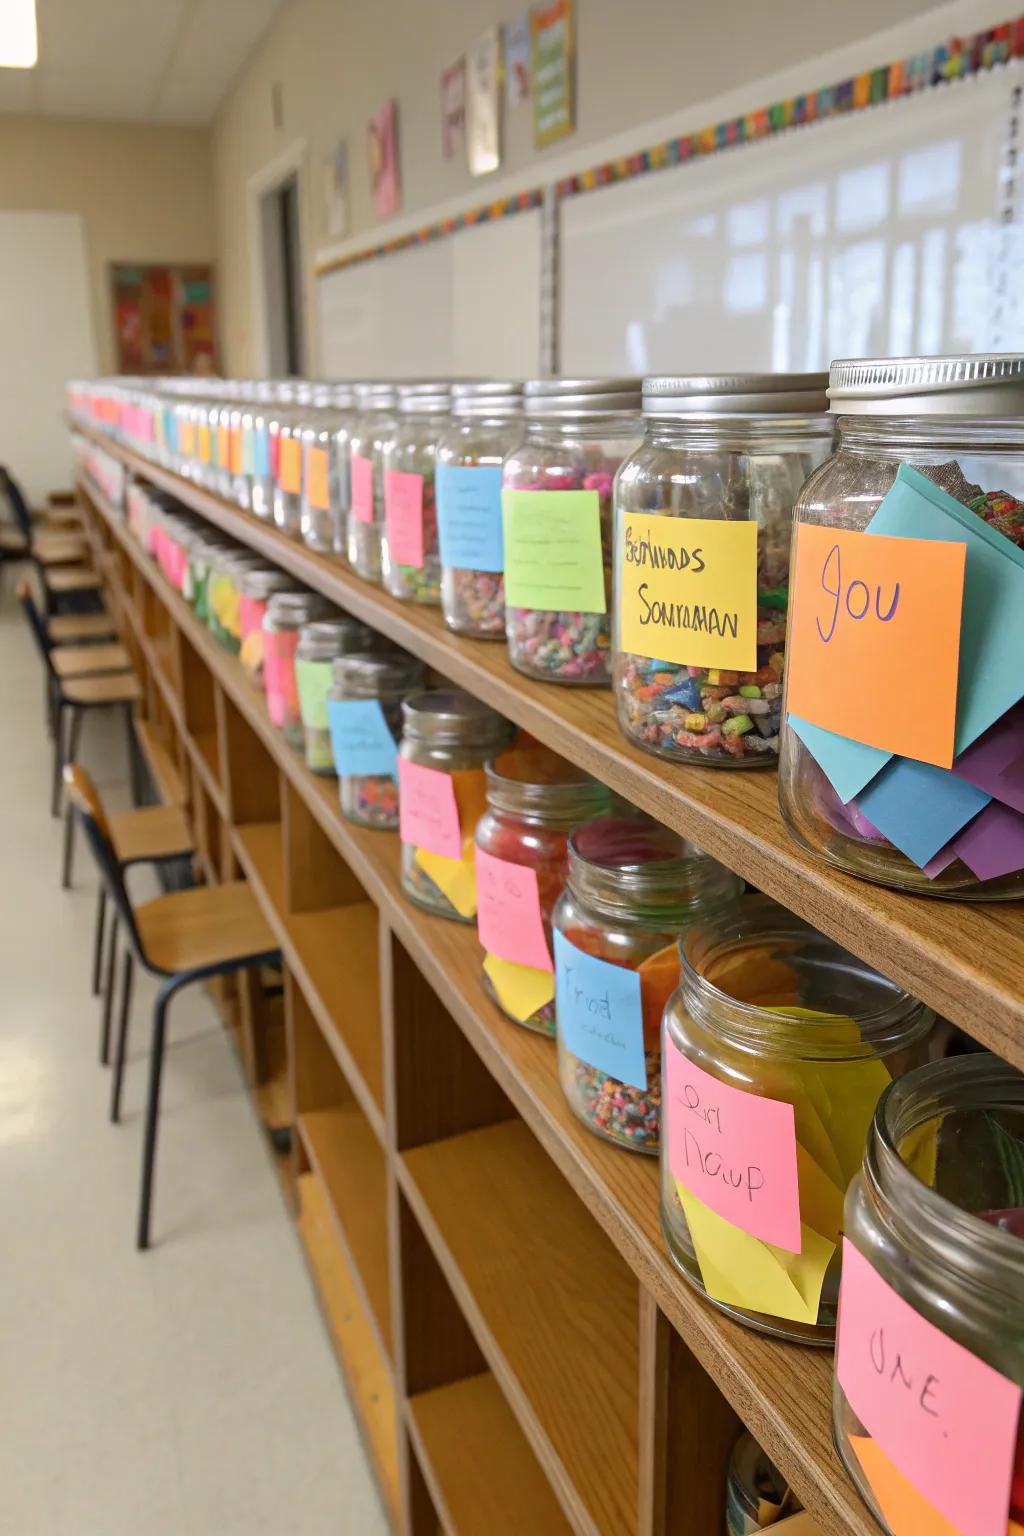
{"type": "Point", "coordinates": [455, 877]}
{"type": "Point", "coordinates": [920, 1150]}
{"type": "Point", "coordinates": [907, 1512]}
{"type": "Point", "coordinates": [821, 1200]}
{"type": "Point", "coordinates": [521, 989]}
{"type": "Point", "coordinates": [741, 1271]}
{"type": "Point", "coordinates": [688, 590]}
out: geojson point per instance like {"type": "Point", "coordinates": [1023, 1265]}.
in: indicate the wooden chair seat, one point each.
{"type": "Point", "coordinates": [89, 660]}
{"type": "Point", "coordinates": [12, 542]}
{"type": "Point", "coordinates": [59, 548]}
{"type": "Point", "coordinates": [72, 628]}
{"type": "Point", "coordinates": [210, 925]}
{"type": "Point", "coordinates": [110, 688]}
{"type": "Point", "coordinates": [155, 832]}
{"type": "Point", "coordinates": [72, 578]}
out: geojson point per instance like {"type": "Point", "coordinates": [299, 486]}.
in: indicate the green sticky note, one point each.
{"type": "Point", "coordinates": [553, 558]}
{"type": "Point", "coordinates": [313, 679]}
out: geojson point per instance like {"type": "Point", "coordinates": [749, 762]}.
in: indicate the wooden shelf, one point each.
{"type": "Point", "coordinates": [161, 766]}
{"type": "Point", "coordinates": [553, 1308]}
{"type": "Point", "coordinates": [966, 961]}
{"type": "Point", "coordinates": [483, 1477]}
{"type": "Point", "coordinates": [366, 1371]}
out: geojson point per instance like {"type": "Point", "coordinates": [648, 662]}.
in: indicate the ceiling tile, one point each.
{"type": "Point", "coordinates": [101, 93]}
{"type": "Point", "coordinates": [187, 99]}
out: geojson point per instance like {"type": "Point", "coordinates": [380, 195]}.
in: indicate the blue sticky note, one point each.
{"type": "Point", "coordinates": [847, 764]}
{"type": "Point", "coordinates": [600, 1017]}
{"type": "Point", "coordinates": [991, 674]}
{"type": "Point", "coordinates": [363, 745]}
{"type": "Point", "coordinates": [260, 453]}
{"type": "Point", "coordinates": [920, 807]}
{"type": "Point", "coordinates": [469, 516]}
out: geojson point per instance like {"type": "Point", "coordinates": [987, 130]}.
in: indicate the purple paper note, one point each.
{"type": "Point", "coordinates": [993, 844]}
{"type": "Point", "coordinates": [986, 761]}
{"type": "Point", "coordinates": [1014, 774]}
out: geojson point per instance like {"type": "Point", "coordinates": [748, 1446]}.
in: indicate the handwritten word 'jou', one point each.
{"type": "Point", "coordinates": [713, 1164]}
{"type": "Point", "coordinates": [852, 597]}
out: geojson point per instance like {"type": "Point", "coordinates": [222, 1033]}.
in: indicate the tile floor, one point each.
{"type": "Point", "coordinates": [190, 1391]}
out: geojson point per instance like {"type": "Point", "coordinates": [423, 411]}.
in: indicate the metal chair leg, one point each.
{"type": "Point", "coordinates": [58, 758]}
{"type": "Point", "coordinates": [97, 954]}
{"type": "Point", "coordinates": [156, 1063]}
{"type": "Point", "coordinates": [108, 993]}
{"type": "Point", "coordinates": [120, 1047]}
{"type": "Point", "coordinates": [69, 847]}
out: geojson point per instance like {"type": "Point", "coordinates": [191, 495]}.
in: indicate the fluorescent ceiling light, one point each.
{"type": "Point", "coordinates": [19, 41]}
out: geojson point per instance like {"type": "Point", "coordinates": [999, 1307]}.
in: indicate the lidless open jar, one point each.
{"type": "Point", "coordinates": [410, 562]}
{"type": "Point", "coordinates": [319, 644]}
{"type": "Point", "coordinates": [960, 422]}
{"type": "Point", "coordinates": [447, 737]}
{"type": "Point", "coordinates": [324, 438]}
{"type": "Point", "coordinates": [936, 1215]}
{"type": "Point", "coordinates": [577, 433]}
{"type": "Point", "coordinates": [487, 423]}
{"type": "Point", "coordinates": [633, 887]}
{"type": "Point", "coordinates": [776, 1049]}
{"type": "Point", "coordinates": [286, 613]}
{"type": "Point", "coordinates": [727, 448]}
{"type": "Point", "coordinates": [376, 421]}
{"type": "Point", "coordinates": [371, 799]}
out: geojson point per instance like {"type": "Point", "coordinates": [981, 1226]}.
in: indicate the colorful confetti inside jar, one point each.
{"type": "Point", "coordinates": [633, 887]}
{"type": "Point", "coordinates": [777, 1047]}
{"type": "Point", "coordinates": [286, 613]}
{"type": "Point", "coordinates": [375, 422]}
{"type": "Point", "coordinates": [486, 425]}
{"type": "Point", "coordinates": [756, 1493]}
{"type": "Point", "coordinates": [410, 560]}
{"type": "Point", "coordinates": [366, 738]}
{"type": "Point", "coordinates": [557, 517]}
{"type": "Point", "coordinates": [700, 616]}
{"type": "Point", "coordinates": [319, 644]}
{"type": "Point", "coordinates": [325, 442]}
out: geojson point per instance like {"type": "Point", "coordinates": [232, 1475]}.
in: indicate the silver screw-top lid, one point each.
{"type": "Point", "coordinates": [488, 397]}
{"type": "Point", "coordinates": [424, 398]}
{"type": "Point", "coordinates": [387, 675]}
{"type": "Point", "coordinates": [380, 396]}
{"type": "Point", "coordinates": [576, 399]}
{"type": "Point", "coordinates": [451, 716]}
{"type": "Point", "coordinates": [290, 610]}
{"type": "Point", "coordinates": [343, 396]}
{"type": "Point", "coordinates": [262, 581]}
{"type": "Point", "coordinates": [735, 394]}
{"type": "Point", "coordinates": [323, 639]}
{"type": "Point", "coordinates": [968, 384]}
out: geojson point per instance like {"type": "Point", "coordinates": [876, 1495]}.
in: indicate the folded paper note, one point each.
{"type": "Point", "coordinates": [848, 765]}
{"type": "Point", "coordinates": [920, 808]}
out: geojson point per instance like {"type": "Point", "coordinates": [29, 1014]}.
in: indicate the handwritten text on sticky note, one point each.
{"type": "Point", "coordinates": [508, 917]}
{"type": "Point", "coordinates": [553, 558]}
{"type": "Point", "coordinates": [734, 1150]}
{"type": "Point", "coordinates": [361, 740]}
{"type": "Point", "coordinates": [947, 1419]}
{"type": "Point", "coordinates": [403, 517]}
{"type": "Point", "coordinates": [866, 611]}
{"type": "Point", "coordinates": [469, 516]}
{"type": "Point", "coordinates": [600, 1014]}
{"type": "Point", "coordinates": [361, 479]}
{"type": "Point", "coordinates": [689, 590]}
{"type": "Point", "coordinates": [428, 811]}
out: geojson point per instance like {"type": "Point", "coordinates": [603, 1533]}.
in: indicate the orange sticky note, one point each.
{"type": "Point", "coordinates": [907, 1512]}
{"type": "Point", "coordinates": [223, 447]}
{"type": "Point", "coordinates": [204, 443]}
{"type": "Point", "coordinates": [289, 465]}
{"type": "Point", "coordinates": [874, 639]}
{"type": "Point", "coordinates": [317, 491]}
{"type": "Point", "coordinates": [235, 449]}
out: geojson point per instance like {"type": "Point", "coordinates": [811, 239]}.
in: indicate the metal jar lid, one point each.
{"type": "Point", "coordinates": [965, 384]}
{"type": "Point", "coordinates": [290, 610]}
{"type": "Point", "coordinates": [450, 716]}
{"type": "Point", "coordinates": [488, 397]}
{"type": "Point", "coordinates": [343, 396]}
{"type": "Point", "coordinates": [387, 675]}
{"type": "Point", "coordinates": [262, 581]}
{"type": "Point", "coordinates": [323, 639]}
{"type": "Point", "coordinates": [375, 397]}
{"type": "Point", "coordinates": [736, 394]}
{"type": "Point", "coordinates": [427, 398]}
{"type": "Point", "coordinates": [576, 399]}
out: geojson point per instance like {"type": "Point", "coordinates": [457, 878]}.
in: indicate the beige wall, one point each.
{"type": "Point", "coordinates": [144, 193]}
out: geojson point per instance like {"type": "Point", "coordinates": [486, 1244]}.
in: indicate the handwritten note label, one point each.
{"type": "Point", "coordinates": [734, 1150]}
{"type": "Point", "coordinates": [289, 465]}
{"type": "Point", "coordinates": [865, 609]}
{"type": "Point", "coordinates": [403, 517]}
{"type": "Point", "coordinates": [946, 1419]}
{"type": "Point", "coordinates": [361, 472]}
{"type": "Point", "coordinates": [428, 812]}
{"type": "Point", "coordinates": [509, 920]}
{"type": "Point", "coordinates": [318, 491]}
{"type": "Point", "coordinates": [689, 590]}
{"type": "Point", "coordinates": [553, 559]}
{"type": "Point", "coordinates": [600, 1015]}
{"type": "Point", "coordinates": [469, 516]}
{"type": "Point", "coordinates": [362, 743]}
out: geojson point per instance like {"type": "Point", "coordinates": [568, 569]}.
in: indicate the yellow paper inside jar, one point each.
{"type": "Point", "coordinates": [456, 878]}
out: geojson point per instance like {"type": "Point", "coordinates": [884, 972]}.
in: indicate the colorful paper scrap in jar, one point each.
{"type": "Point", "coordinates": [600, 1013]}
{"type": "Point", "coordinates": [992, 846]}
{"type": "Point", "coordinates": [362, 742]}
{"type": "Point", "coordinates": [553, 559]}
{"type": "Point", "coordinates": [987, 762]}
{"type": "Point", "coordinates": [509, 919]}
{"type": "Point", "coordinates": [469, 516]}
{"type": "Point", "coordinates": [930, 1405]}
{"type": "Point", "coordinates": [428, 809]}
{"type": "Point", "coordinates": [688, 590]}
{"type": "Point", "coordinates": [848, 765]}
{"type": "Point", "coordinates": [523, 990]}
{"type": "Point", "coordinates": [919, 807]}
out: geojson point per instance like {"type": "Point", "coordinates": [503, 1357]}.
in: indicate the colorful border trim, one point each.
{"type": "Point", "coordinates": [503, 209]}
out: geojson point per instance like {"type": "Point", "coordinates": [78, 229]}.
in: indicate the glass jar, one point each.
{"type": "Point", "coordinates": [367, 767]}
{"type": "Point", "coordinates": [447, 736]}
{"type": "Point", "coordinates": [633, 887]}
{"type": "Point", "coordinates": [319, 644]}
{"type": "Point", "coordinates": [224, 596]}
{"type": "Point", "coordinates": [486, 425]}
{"type": "Point", "coordinates": [256, 587]}
{"type": "Point", "coordinates": [260, 450]}
{"type": "Point", "coordinates": [206, 439]}
{"type": "Point", "coordinates": [375, 422]}
{"type": "Point", "coordinates": [325, 469]}
{"type": "Point", "coordinates": [756, 1493]}
{"type": "Point", "coordinates": [734, 448]}
{"type": "Point", "coordinates": [578, 431]}
{"type": "Point", "coordinates": [936, 1215]}
{"type": "Point", "coordinates": [958, 420]}
{"type": "Point", "coordinates": [534, 800]}
{"type": "Point", "coordinates": [409, 557]}
{"type": "Point", "coordinates": [202, 556]}
{"type": "Point", "coordinates": [228, 444]}
{"type": "Point", "coordinates": [286, 613]}
{"type": "Point", "coordinates": [288, 470]}
{"type": "Point", "coordinates": [777, 1046]}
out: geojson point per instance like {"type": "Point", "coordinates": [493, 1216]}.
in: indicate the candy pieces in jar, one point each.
{"type": "Point", "coordinates": [410, 560]}
{"type": "Point", "coordinates": [364, 711]}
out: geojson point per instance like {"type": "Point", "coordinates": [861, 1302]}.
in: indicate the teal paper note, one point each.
{"type": "Point", "coordinates": [848, 765]}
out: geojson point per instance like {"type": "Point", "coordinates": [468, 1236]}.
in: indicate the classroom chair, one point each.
{"type": "Point", "coordinates": [57, 557]}
{"type": "Point", "coordinates": [182, 937]}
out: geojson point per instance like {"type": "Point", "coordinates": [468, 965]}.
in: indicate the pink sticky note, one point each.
{"type": "Point", "coordinates": [735, 1151]}
{"type": "Point", "coordinates": [946, 1420]}
{"type": "Point", "coordinates": [428, 812]}
{"type": "Point", "coordinates": [361, 474]}
{"type": "Point", "coordinates": [403, 517]}
{"type": "Point", "coordinates": [509, 921]}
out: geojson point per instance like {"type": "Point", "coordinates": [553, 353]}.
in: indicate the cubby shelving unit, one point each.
{"type": "Point", "coordinates": [520, 1350]}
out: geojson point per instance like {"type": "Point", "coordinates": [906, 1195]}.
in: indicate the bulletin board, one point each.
{"type": "Point", "coordinates": [163, 318]}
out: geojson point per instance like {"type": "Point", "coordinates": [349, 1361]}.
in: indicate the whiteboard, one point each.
{"type": "Point", "coordinates": [877, 234]}
{"type": "Point", "coordinates": [468, 304]}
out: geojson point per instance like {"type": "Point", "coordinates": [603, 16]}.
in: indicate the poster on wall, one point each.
{"type": "Point", "coordinates": [551, 67]}
{"type": "Point", "coordinates": [516, 44]}
{"type": "Point", "coordinates": [483, 122]}
{"type": "Point", "coordinates": [336, 192]}
{"type": "Point", "coordinates": [383, 141]}
{"type": "Point", "coordinates": [163, 318]}
{"type": "Point", "coordinates": [453, 108]}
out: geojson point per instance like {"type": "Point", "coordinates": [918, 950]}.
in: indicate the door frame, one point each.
{"type": "Point", "coordinates": [291, 162]}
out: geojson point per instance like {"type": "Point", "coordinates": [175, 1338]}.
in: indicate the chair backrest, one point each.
{"type": "Point", "coordinates": [19, 506]}
{"type": "Point", "coordinates": [36, 623]}
{"type": "Point", "coordinates": [84, 797]}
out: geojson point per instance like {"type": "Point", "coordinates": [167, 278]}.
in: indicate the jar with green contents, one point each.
{"type": "Point", "coordinates": [324, 438]}
{"type": "Point", "coordinates": [410, 562]}
{"type": "Point", "coordinates": [376, 421]}
{"type": "Point", "coordinates": [777, 1047]}
{"type": "Point", "coordinates": [633, 887]}
{"type": "Point", "coordinates": [319, 643]}
{"type": "Point", "coordinates": [286, 614]}
{"type": "Point", "coordinates": [930, 1354]}
{"type": "Point", "coordinates": [224, 597]}
{"type": "Point", "coordinates": [366, 735]}
{"type": "Point", "coordinates": [257, 587]}
{"type": "Point", "coordinates": [202, 557]}
{"type": "Point", "coordinates": [447, 737]}
{"type": "Point", "coordinates": [706, 687]}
